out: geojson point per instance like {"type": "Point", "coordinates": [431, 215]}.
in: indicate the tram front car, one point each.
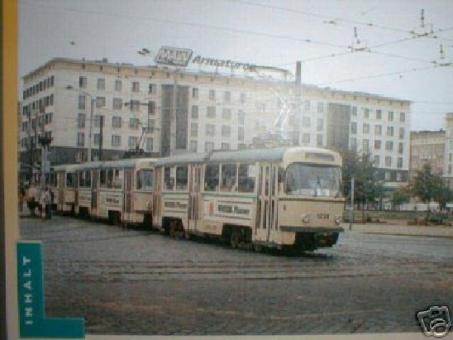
{"type": "Point", "coordinates": [311, 202]}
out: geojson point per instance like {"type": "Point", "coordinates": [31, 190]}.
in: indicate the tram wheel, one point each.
{"type": "Point", "coordinates": [235, 239]}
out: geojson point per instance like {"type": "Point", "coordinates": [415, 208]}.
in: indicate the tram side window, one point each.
{"type": "Point", "coordinates": [229, 178]}
{"type": "Point", "coordinates": [85, 179]}
{"type": "Point", "coordinates": [246, 178]}
{"type": "Point", "coordinates": [70, 180]}
{"type": "Point", "coordinates": [169, 181]}
{"type": "Point", "coordinates": [145, 180]}
{"type": "Point", "coordinates": [117, 178]}
{"type": "Point", "coordinates": [103, 178]}
{"type": "Point", "coordinates": [181, 177]}
{"type": "Point", "coordinates": [211, 178]}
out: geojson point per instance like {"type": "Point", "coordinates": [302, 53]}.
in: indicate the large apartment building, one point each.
{"type": "Point", "coordinates": [138, 106]}
{"type": "Point", "coordinates": [427, 147]}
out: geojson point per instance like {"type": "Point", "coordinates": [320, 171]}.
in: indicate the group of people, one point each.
{"type": "Point", "coordinates": [39, 201]}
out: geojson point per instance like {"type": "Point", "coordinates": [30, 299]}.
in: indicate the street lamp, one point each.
{"type": "Point", "coordinates": [92, 100]}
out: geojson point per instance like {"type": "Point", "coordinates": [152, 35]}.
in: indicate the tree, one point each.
{"type": "Point", "coordinates": [400, 196]}
{"type": "Point", "coordinates": [367, 187]}
{"type": "Point", "coordinates": [430, 187]}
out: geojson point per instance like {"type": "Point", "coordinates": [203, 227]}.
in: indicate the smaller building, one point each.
{"type": "Point", "coordinates": [427, 147]}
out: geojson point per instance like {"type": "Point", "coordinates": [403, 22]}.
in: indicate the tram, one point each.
{"type": "Point", "coordinates": [280, 198]}
{"type": "Point", "coordinates": [285, 198]}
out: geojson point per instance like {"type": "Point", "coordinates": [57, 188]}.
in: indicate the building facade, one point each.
{"type": "Point", "coordinates": [138, 106]}
{"type": "Point", "coordinates": [427, 147]}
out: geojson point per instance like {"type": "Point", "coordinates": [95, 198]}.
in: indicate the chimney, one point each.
{"type": "Point", "coordinates": [298, 73]}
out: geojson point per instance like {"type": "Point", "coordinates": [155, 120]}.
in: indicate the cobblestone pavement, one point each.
{"type": "Point", "coordinates": [135, 281]}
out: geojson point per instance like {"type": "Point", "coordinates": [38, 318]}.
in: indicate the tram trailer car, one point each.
{"type": "Point", "coordinates": [119, 191]}
{"type": "Point", "coordinates": [285, 198]}
{"type": "Point", "coordinates": [65, 188]}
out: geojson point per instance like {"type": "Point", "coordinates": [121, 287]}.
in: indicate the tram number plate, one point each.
{"type": "Point", "coordinates": [323, 216]}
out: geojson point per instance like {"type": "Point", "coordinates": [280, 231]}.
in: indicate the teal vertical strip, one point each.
{"type": "Point", "coordinates": [32, 319]}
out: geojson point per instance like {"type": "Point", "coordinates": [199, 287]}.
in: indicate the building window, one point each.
{"type": "Point", "coordinates": [226, 114]}
{"type": "Point", "coordinates": [97, 121]}
{"type": "Point", "coordinates": [225, 146]}
{"type": "Point", "coordinates": [226, 131]}
{"type": "Point", "coordinates": [149, 145]}
{"type": "Point", "coordinates": [379, 114]}
{"type": "Point", "coordinates": [320, 107]}
{"type": "Point", "coordinates": [390, 116]}
{"type": "Point", "coordinates": [210, 130]}
{"type": "Point", "coordinates": [150, 127]}
{"type": "Point", "coordinates": [195, 93]}
{"type": "Point", "coordinates": [366, 145]}
{"type": "Point", "coordinates": [211, 94]}
{"type": "Point", "coordinates": [242, 98]}
{"type": "Point", "coordinates": [398, 176]}
{"type": "Point", "coordinates": [378, 130]}
{"type": "Point", "coordinates": [389, 146]}
{"type": "Point", "coordinates": [241, 117]}
{"type": "Point", "coordinates": [151, 107]}
{"type": "Point", "coordinates": [390, 131]}
{"type": "Point", "coordinates": [241, 134]}
{"type": "Point", "coordinates": [401, 133]}
{"type": "Point", "coordinates": [97, 139]}
{"type": "Point", "coordinates": [81, 120]}
{"type": "Point", "coordinates": [118, 85]}
{"type": "Point", "coordinates": [400, 163]}
{"type": "Point", "coordinates": [353, 128]}
{"type": "Point", "coordinates": [82, 102]}
{"type": "Point", "coordinates": [210, 111]}
{"type": "Point", "coordinates": [353, 144]}
{"type": "Point", "coordinates": [306, 138]}
{"type": "Point", "coordinates": [132, 142]}
{"type": "Point", "coordinates": [366, 113]}
{"type": "Point", "coordinates": [354, 111]}
{"type": "Point", "coordinates": [193, 146]}
{"type": "Point", "coordinates": [377, 161]}
{"type": "Point", "coordinates": [100, 102]}
{"type": "Point", "coordinates": [387, 176]}
{"type": "Point", "coordinates": [101, 84]}
{"type": "Point", "coordinates": [319, 140]}
{"type": "Point", "coordinates": [194, 129]}
{"type": "Point", "coordinates": [227, 96]}
{"type": "Point", "coordinates": [400, 148]}
{"type": "Point", "coordinates": [306, 121]}
{"type": "Point", "coordinates": [194, 112]}
{"type": "Point", "coordinates": [116, 122]}
{"type": "Point", "coordinates": [116, 140]}
{"type": "Point", "coordinates": [80, 139]}
{"type": "Point", "coordinates": [135, 105]}
{"type": "Point", "coordinates": [151, 89]}
{"type": "Point", "coordinates": [366, 128]}
{"type": "Point", "coordinates": [133, 123]}
{"type": "Point", "coordinates": [319, 124]}
{"type": "Point", "coordinates": [402, 117]}
{"type": "Point", "coordinates": [208, 146]}
{"type": "Point", "coordinates": [117, 103]}
{"type": "Point", "coordinates": [135, 86]}
{"type": "Point", "coordinates": [83, 82]}
{"type": "Point", "coordinates": [388, 161]}
{"type": "Point", "coordinates": [377, 144]}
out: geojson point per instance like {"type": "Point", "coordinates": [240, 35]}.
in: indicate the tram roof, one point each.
{"type": "Point", "coordinates": [183, 158]}
{"type": "Point", "coordinates": [127, 163]}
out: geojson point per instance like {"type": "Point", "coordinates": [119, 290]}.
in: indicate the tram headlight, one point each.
{"type": "Point", "coordinates": [338, 220]}
{"type": "Point", "coordinates": [305, 218]}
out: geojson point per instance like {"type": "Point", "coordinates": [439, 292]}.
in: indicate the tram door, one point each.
{"type": "Point", "coordinates": [157, 200]}
{"type": "Point", "coordinates": [127, 208]}
{"type": "Point", "coordinates": [94, 192]}
{"type": "Point", "coordinates": [194, 198]}
{"type": "Point", "coordinates": [266, 206]}
{"type": "Point", "coordinates": [61, 187]}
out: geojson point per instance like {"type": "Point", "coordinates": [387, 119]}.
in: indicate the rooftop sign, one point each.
{"type": "Point", "coordinates": [173, 56]}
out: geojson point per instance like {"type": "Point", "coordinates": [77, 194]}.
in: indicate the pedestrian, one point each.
{"type": "Point", "coordinates": [49, 203]}
{"type": "Point", "coordinates": [44, 202]}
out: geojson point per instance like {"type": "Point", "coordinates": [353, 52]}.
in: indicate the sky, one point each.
{"type": "Point", "coordinates": [394, 62]}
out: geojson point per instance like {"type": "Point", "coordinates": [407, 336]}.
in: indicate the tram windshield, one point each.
{"type": "Point", "coordinates": [313, 180]}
